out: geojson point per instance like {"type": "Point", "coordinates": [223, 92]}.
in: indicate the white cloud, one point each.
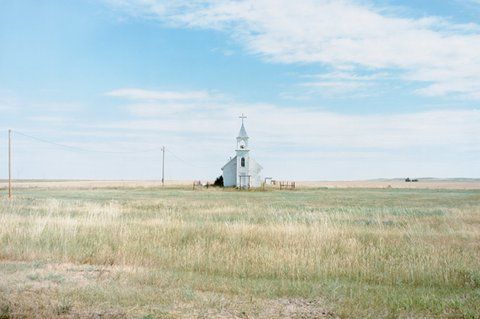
{"type": "Point", "coordinates": [151, 103]}
{"type": "Point", "coordinates": [9, 103]}
{"type": "Point", "coordinates": [309, 129]}
{"type": "Point", "coordinates": [341, 82]}
{"type": "Point", "coordinates": [300, 142]}
{"type": "Point", "coordinates": [140, 94]}
{"type": "Point", "coordinates": [156, 109]}
{"type": "Point", "coordinates": [312, 143]}
{"type": "Point", "coordinates": [338, 34]}
{"type": "Point", "coordinates": [49, 119]}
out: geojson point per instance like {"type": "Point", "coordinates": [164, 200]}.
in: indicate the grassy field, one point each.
{"type": "Point", "coordinates": [178, 253]}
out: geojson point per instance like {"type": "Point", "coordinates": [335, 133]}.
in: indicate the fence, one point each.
{"type": "Point", "coordinates": [286, 185]}
{"type": "Point", "coordinates": [197, 184]}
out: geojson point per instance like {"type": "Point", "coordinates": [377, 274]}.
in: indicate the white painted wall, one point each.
{"type": "Point", "coordinates": [230, 173]}
{"type": "Point", "coordinates": [255, 169]}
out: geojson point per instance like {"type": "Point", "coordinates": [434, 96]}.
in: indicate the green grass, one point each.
{"type": "Point", "coordinates": [143, 252]}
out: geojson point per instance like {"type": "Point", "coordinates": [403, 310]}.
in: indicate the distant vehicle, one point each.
{"type": "Point", "coordinates": [408, 180]}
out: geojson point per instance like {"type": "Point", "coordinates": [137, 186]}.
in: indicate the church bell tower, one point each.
{"type": "Point", "coordinates": [243, 158]}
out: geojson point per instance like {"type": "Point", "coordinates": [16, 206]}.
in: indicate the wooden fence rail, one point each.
{"type": "Point", "coordinates": [286, 185]}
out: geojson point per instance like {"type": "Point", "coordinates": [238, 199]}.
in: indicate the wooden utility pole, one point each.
{"type": "Point", "coordinates": [9, 164]}
{"type": "Point", "coordinates": [163, 166]}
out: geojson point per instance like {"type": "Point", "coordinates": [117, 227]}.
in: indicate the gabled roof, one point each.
{"type": "Point", "coordinates": [232, 159]}
{"type": "Point", "coordinates": [254, 163]}
{"type": "Point", "coordinates": [242, 132]}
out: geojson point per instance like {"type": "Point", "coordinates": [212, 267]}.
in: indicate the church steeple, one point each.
{"type": "Point", "coordinates": [242, 138]}
{"type": "Point", "coordinates": [243, 132]}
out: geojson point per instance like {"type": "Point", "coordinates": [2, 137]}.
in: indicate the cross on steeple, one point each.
{"type": "Point", "coordinates": [242, 117]}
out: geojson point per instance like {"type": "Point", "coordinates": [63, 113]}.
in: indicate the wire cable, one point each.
{"type": "Point", "coordinates": [79, 149]}
{"type": "Point", "coordinates": [182, 160]}
{"type": "Point", "coordinates": [84, 150]}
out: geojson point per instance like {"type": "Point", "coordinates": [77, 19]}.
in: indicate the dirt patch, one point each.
{"type": "Point", "coordinates": [296, 308]}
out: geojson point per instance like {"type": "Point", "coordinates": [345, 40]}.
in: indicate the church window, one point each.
{"type": "Point", "coordinates": [242, 162]}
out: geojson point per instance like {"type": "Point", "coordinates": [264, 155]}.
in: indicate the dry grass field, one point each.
{"type": "Point", "coordinates": [145, 252]}
{"type": "Point", "coordinates": [428, 183]}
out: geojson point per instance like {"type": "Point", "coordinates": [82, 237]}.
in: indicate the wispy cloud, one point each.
{"type": "Point", "coordinates": [9, 102]}
{"type": "Point", "coordinates": [148, 103]}
{"type": "Point", "coordinates": [438, 54]}
{"type": "Point", "coordinates": [203, 132]}
{"type": "Point", "coordinates": [305, 128]}
{"type": "Point", "coordinates": [141, 94]}
{"type": "Point", "coordinates": [342, 82]}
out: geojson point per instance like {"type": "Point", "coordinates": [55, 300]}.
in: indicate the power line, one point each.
{"type": "Point", "coordinates": [85, 150]}
{"type": "Point", "coordinates": [184, 161]}
{"type": "Point", "coordinates": [80, 149]}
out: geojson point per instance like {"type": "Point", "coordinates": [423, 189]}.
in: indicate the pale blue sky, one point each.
{"type": "Point", "coordinates": [332, 89]}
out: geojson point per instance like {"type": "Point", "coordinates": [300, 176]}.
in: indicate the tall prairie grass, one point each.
{"type": "Point", "coordinates": [366, 253]}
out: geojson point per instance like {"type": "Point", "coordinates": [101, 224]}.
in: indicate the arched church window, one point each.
{"type": "Point", "coordinates": [242, 162]}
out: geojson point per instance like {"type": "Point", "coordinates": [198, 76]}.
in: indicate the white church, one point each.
{"type": "Point", "coordinates": [242, 171]}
